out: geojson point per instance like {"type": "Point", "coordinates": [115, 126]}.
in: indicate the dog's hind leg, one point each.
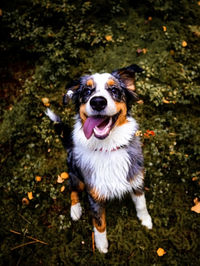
{"type": "Point", "coordinates": [141, 209]}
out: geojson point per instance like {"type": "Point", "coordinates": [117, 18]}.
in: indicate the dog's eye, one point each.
{"type": "Point", "coordinates": [86, 92]}
{"type": "Point", "coordinates": [114, 90]}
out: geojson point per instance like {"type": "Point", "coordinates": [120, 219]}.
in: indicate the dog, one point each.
{"type": "Point", "coordinates": [104, 152]}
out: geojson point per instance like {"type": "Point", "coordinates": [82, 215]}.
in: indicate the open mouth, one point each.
{"type": "Point", "coordinates": [100, 126]}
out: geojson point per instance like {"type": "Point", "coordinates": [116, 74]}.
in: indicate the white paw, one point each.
{"type": "Point", "coordinates": [101, 241]}
{"type": "Point", "coordinates": [76, 211]}
{"type": "Point", "coordinates": [145, 219]}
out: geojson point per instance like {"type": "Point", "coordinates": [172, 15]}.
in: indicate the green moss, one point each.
{"type": "Point", "coordinates": [62, 40]}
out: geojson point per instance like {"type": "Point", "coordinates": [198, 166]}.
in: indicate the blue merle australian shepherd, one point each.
{"type": "Point", "coordinates": [104, 153]}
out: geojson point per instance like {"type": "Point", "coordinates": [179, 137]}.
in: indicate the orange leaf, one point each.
{"type": "Point", "coordinates": [25, 201]}
{"type": "Point", "coordinates": [140, 102]}
{"type": "Point", "coordinates": [165, 101]}
{"type": "Point", "coordinates": [161, 252]}
{"type": "Point", "coordinates": [196, 207]}
{"type": "Point", "coordinates": [144, 50]}
{"type": "Point", "coordinates": [30, 195]}
{"type": "Point", "coordinates": [38, 178]}
{"type": "Point", "coordinates": [62, 188]}
{"type": "Point", "coordinates": [60, 179]}
{"type": "Point", "coordinates": [108, 38]}
{"type": "Point", "coordinates": [64, 175]}
{"type": "Point", "coordinates": [195, 178]}
{"type": "Point", "coordinates": [184, 43]}
{"type": "Point", "coordinates": [146, 135]}
{"type": "Point", "coordinates": [45, 101]}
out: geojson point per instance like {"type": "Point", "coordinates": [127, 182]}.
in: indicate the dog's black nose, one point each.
{"type": "Point", "coordinates": [98, 103]}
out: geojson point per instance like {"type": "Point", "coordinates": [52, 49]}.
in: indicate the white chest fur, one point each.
{"type": "Point", "coordinates": [107, 171]}
{"type": "Point", "coordinates": [104, 169]}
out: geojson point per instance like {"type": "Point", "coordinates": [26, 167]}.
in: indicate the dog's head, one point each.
{"type": "Point", "coordinates": [103, 100]}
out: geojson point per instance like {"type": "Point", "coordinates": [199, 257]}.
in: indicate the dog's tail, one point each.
{"type": "Point", "coordinates": [63, 130]}
{"type": "Point", "coordinates": [55, 118]}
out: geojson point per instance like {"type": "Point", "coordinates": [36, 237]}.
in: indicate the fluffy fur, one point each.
{"type": "Point", "coordinates": [105, 167]}
{"type": "Point", "coordinates": [104, 154]}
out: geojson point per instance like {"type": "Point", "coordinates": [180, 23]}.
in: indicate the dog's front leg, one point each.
{"type": "Point", "coordinates": [76, 210]}
{"type": "Point", "coordinates": [141, 209]}
{"type": "Point", "coordinates": [99, 223]}
{"type": "Point", "coordinates": [76, 187]}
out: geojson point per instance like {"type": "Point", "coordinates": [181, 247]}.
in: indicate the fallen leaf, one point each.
{"type": "Point", "coordinates": [144, 50]}
{"type": "Point", "coordinates": [30, 195]}
{"type": "Point", "coordinates": [64, 175]}
{"type": "Point", "coordinates": [184, 43]}
{"type": "Point", "coordinates": [45, 101]}
{"type": "Point", "coordinates": [25, 201]}
{"type": "Point", "coordinates": [150, 132]}
{"type": "Point", "coordinates": [161, 252]}
{"type": "Point", "coordinates": [108, 38]}
{"type": "Point", "coordinates": [165, 101]}
{"type": "Point", "coordinates": [146, 135]}
{"type": "Point", "coordinates": [140, 102]}
{"type": "Point", "coordinates": [195, 178]}
{"type": "Point", "coordinates": [138, 133]}
{"type": "Point", "coordinates": [38, 178]}
{"type": "Point", "coordinates": [60, 179]}
{"type": "Point", "coordinates": [196, 207]}
{"type": "Point", "coordinates": [62, 188]}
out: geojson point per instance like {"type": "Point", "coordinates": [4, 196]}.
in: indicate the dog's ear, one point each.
{"type": "Point", "coordinates": [127, 75]}
{"type": "Point", "coordinates": [71, 92]}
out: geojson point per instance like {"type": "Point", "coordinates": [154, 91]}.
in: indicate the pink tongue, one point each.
{"type": "Point", "coordinates": [90, 124]}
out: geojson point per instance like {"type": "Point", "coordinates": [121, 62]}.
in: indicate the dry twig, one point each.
{"type": "Point", "coordinates": [35, 240]}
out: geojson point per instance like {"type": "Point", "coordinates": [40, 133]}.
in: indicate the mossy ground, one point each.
{"type": "Point", "coordinates": [162, 37]}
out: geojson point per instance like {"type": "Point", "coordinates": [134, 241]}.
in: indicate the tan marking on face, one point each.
{"type": "Point", "coordinates": [90, 83]}
{"type": "Point", "coordinates": [74, 198]}
{"type": "Point", "coordinates": [82, 113]}
{"type": "Point", "coordinates": [122, 119]}
{"type": "Point", "coordinates": [102, 226]}
{"type": "Point", "coordinates": [111, 82]}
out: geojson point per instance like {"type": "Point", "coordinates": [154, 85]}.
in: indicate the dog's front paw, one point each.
{"type": "Point", "coordinates": [145, 219]}
{"type": "Point", "coordinates": [101, 241]}
{"type": "Point", "coordinates": [76, 211]}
